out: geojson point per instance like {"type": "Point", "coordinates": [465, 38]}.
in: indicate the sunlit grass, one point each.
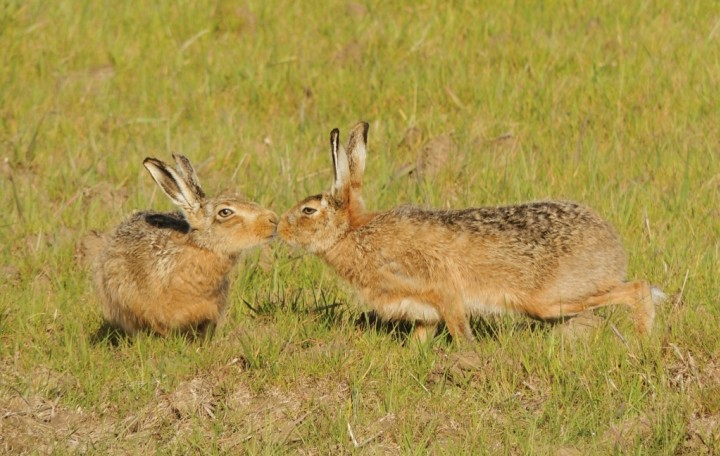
{"type": "Point", "coordinates": [610, 104]}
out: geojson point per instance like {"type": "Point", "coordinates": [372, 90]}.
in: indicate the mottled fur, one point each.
{"type": "Point", "coordinates": [169, 271]}
{"type": "Point", "coordinates": [546, 259]}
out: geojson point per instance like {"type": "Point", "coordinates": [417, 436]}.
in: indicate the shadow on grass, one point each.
{"type": "Point", "coordinates": [401, 331]}
{"type": "Point", "coordinates": [109, 335]}
{"type": "Point", "coordinates": [490, 328]}
{"type": "Point", "coordinates": [370, 321]}
{"type": "Point", "coordinates": [493, 327]}
{"type": "Point", "coordinates": [112, 336]}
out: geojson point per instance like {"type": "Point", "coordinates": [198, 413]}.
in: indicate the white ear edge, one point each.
{"type": "Point", "coordinates": [341, 166]}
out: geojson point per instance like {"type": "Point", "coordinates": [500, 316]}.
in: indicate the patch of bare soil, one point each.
{"type": "Point", "coordinates": [275, 416]}
{"type": "Point", "coordinates": [412, 139]}
{"type": "Point", "coordinates": [88, 81]}
{"type": "Point", "coordinates": [579, 327]}
{"type": "Point", "coordinates": [428, 157]}
{"type": "Point", "coordinates": [10, 275]}
{"type": "Point", "coordinates": [685, 369]}
{"type": "Point", "coordinates": [88, 248]}
{"type": "Point", "coordinates": [36, 243]}
{"type": "Point", "coordinates": [110, 197]}
{"type": "Point", "coordinates": [349, 54]}
{"type": "Point", "coordinates": [627, 432]}
{"type": "Point", "coordinates": [205, 405]}
{"type": "Point", "coordinates": [505, 145]}
{"type": "Point", "coordinates": [438, 153]}
{"type": "Point", "coordinates": [230, 17]}
{"type": "Point", "coordinates": [467, 365]}
{"type": "Point", "coordinates": [703, 435]}
{"type": "Point", "coordinates": [35, 424]}
{"type": "Point", "coordinates": [356, 10]}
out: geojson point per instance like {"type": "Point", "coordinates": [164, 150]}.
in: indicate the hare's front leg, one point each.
{"type": "Point", "coordinates": [424, 331]}
{"type": "Point", "coordinates": [452, 311]}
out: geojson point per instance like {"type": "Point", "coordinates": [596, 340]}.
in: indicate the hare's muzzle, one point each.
{"type": "Point", "coordinates": [270, 220]}
{"type": "Point", "coordinates": [283, 227]}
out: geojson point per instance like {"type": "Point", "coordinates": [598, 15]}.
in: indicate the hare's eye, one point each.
{"type": "Point", "coordinates": [308, 210]}
{"type": "Point", "coordinates": [225, 212]}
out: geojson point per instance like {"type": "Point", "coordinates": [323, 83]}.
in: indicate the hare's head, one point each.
{"type": "Point", "coordinates": [226, 224]}
{"type": "Point", "coordinates": [318, 222]}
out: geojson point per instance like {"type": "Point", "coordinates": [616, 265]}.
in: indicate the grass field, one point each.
{"type": "Point", "coordinates": [614, 104]}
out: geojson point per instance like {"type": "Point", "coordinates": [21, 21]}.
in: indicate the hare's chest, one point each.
{"type": "Point", "coordinates": [390, 307]}
{"type": "Point", "coordinates": [411, 310]}
{"type": "Point", "coordinates": [489, 302]}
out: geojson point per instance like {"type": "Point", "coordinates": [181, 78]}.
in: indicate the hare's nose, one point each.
{"type": "Point", "coordinates": [273, 218]}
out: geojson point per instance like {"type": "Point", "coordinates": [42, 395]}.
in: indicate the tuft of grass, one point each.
{"type": "Point", "coordinates": [611, 104]}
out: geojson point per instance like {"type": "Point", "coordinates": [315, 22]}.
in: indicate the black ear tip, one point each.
{"type": "Point", "coordinates": [152, 160]}
{"type": "Point", "coordinates": [183, 163]}
{"type": "Point", "coordinates": [334, 135]}
{"type": "Point", "coordinates": [366, 127]}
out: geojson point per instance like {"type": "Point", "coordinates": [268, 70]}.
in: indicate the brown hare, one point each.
{"type": "Point", "coordinates": [545, 259]}
{"type": "Point", "coordinates": [164, 272]}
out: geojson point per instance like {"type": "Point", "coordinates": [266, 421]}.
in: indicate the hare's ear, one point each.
{"type": "Point", "coordinates": [356, 152]}
{"type": "Point", "coordinates": [341, 168]}
{"type": "Point", "coordinates": [173, 185]}
{"type": "Point", "coordinates": [186, 170]}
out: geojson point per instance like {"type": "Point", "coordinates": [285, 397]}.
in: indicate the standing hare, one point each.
{"type": "Point", "coordinates": [546, 259]}
{"type": "Point", "coordinates": [163, 271]}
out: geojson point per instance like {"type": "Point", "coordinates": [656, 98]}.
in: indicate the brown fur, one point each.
{"type": "Point", "coordinates": [169, 271]}
{"type": "Point", "coordinates": [547, 259]}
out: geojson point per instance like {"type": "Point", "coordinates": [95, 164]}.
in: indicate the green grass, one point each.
{"type": "Point", "coordinates": [614, 104]}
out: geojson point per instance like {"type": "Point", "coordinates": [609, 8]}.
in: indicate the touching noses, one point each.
{"type": "Point", "coordinates": [272, 218]}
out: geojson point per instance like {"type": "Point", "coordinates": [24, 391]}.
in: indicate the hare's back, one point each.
{"type": "Point", "coordinates": [547, 244]}
{"type": "Point", "coordinates": [146, 238]}
{"type": "Point", "coordinates": [150, 229]}
{"type": "Point", "coordinates": [541, 222]}
{"type": "Point", "coordinates": [536, 232]}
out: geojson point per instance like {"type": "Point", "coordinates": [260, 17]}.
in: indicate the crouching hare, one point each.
{"type": "Point", "coordinates": [166, 272]}
{"type": "Point", "coordinates": [547, 259]}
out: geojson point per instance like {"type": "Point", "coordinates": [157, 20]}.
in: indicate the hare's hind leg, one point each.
{"type": "Point", "coordinates": [637, 295]}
